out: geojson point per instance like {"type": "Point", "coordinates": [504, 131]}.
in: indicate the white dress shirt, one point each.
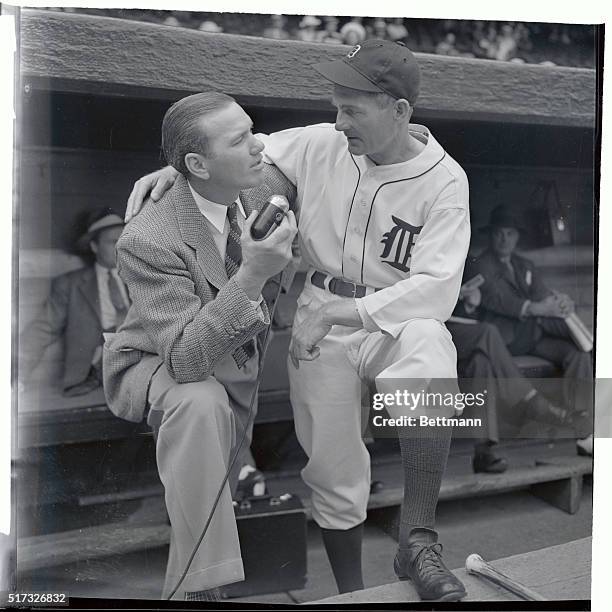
{"type": "Point", "coordinates": [215, 216]}
{"type": "Point", "coordinates": [108, 312]}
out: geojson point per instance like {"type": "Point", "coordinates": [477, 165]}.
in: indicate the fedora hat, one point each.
{"type": "Point", "coordinates": [97, 221]}
{"type": "Point", "coordinates": [504, 216]}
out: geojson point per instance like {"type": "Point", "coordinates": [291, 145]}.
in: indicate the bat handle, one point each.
{"type": "Point", "coordinates": [475, 564]}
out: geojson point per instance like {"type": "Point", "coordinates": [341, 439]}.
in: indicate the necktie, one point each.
{"type": "Point", "coordinates": [117, 299]}
{"type": "Point", "coordinates": [233, 258]}
{"type": "Point", "coordinates": [510, 269]}
{"type": "Point", "coordinates": [233, 252]}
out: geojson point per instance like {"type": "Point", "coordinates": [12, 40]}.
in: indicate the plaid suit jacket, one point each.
{"type": "Point", "coordinates": [185, 315]}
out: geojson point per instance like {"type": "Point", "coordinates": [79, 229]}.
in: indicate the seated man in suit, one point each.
{"type": "Point", "coordinates": [530, 316]}
{"type": "Point", "coordinates": [81, 306]}
{"type": "Point", "coordinates": [483, 359]}
{"type": "Point", "coordinates": [187, 348]}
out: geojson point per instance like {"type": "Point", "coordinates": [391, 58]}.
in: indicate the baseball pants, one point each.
{"type": "Point", "coordinates": [198, 425]}
{"type": "Point", "coordinates": [326, 399]}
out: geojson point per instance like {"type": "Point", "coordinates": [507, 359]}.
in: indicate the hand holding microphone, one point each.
{"type": "Point", "coordinates": [266, 242]}
{"type": "Point", "coordinates": [269, 217]}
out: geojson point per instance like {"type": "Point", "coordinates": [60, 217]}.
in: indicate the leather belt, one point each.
{"type": "Point", "coordinates": [337, 286]}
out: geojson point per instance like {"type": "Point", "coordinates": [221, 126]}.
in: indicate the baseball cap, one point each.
{"type": "Point", "coordinates": [376, 65]}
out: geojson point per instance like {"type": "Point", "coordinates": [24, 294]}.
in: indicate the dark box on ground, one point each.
{"type": "Point", "coordinates": [272, 533]}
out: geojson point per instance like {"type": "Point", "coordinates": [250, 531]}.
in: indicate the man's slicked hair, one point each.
{"type": "Point", "coordinates": [182, 128]}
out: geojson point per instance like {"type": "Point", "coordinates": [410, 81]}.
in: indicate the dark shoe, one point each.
{"type": "Point", "coordinates": [252, 485]}
{"type": "Point", "coordinates": [582, 424]}
{"type": "Point", "coordinates": [422, 562]}
{"type": "Point", "coordinates": [487, 462]}
{"type": "Point", "coordinates": [540, 409]}
{"type": "Point", "coordinates": [584, 447]}
{"type": "Point", "coordinates": [376, 486]}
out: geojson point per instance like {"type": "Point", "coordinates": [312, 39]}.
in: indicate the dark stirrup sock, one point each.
{"type": "Point", "coordinates": [344, 552]}
{"type": "Point", "coordinates": [424, 454]}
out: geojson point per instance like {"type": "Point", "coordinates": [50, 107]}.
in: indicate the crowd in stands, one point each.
{"type": "Point", "coordinates": [533, 43]}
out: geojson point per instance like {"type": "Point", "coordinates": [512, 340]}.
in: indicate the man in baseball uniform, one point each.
{"type": "Point", "coordinates": [384, 228]}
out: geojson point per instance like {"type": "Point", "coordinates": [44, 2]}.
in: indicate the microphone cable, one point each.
{"type": "Point", "coordinates": [237, 450]}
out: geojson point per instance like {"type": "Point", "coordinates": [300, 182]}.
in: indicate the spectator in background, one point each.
{"type": "Point", "coordinates": [560, 33]}
{"type": "Point", "coordinates": [506, 47]}
{"type": "Point", "coordinates": [531, 317]}
{"type": "Point", "coordinates": [478, 34]}
{"type": "Point", "coordinates": [396, 30]}
{"type": "Point", "coordinates": [81, 306]}
{"type": "Point", "coordinates": [424, 36]}
{"type": "Point", "coordinates": [171, 20]}
{"type": "Point", "coordinates": [353, 32]}
{"type": "Point", "coordinates": [308, 28]}
{"type": "Point", "coordinates": [523, 38]}
{"type": "Point", "coordinates": [210, 26]}
{"type": "Point", "coordinates": [330, 33]}
{"type": "Point", "coordinates": [379, 28]}
{"type": "Point", "coordinates": [447, 45]}
{"type": "Point", "coordinates": [483, 360]}
{"type": "Point", "coordinates": [488, 43]}
{"type": "Point", "coordinates": [276, 29]}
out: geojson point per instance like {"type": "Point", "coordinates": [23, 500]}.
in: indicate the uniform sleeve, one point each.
{"type": "Point", "coordinates": [191, 337]}
{"type": "Point", "coordinates": [285, 149]}
{"type": "Point", "coordinates": [436, 268]}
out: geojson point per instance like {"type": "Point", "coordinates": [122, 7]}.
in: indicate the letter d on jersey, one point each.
{"type": "Point", "coordinates": [395, 240]}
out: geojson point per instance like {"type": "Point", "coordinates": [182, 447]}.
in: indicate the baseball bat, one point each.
{"type": "Point", "coordinates": [475, 564]}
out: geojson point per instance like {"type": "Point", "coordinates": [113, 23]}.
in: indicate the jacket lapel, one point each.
{"type": "Point", "coordinates": [520, 270]}
{"type": "Point", "coordinates": [196, 234]}
{"type": "Point", "coordinates": [503, 272]}
{"type": "Point", "coordinates": [88, 287]}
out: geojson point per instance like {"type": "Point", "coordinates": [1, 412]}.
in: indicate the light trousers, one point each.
{"type": "Point", "coordinates": [326, 399]}
{"type": "Point", "coordinates": [197, 426]}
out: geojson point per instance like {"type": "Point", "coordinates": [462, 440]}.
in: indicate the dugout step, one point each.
{"type": "Point", "coordinates": [561, 572]}
{"type": "Point", "coordinates": [552, 472]}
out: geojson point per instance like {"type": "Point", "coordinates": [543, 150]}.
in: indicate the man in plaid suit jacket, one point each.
{"type": "Point", "coordinates": [186, 348]}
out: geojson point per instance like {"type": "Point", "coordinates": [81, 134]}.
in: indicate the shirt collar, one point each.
{"type": "Point", "coordinates": [431, 155]}
{"type": "Point", "coordinates": [102, 270]}
{"type": "Point", "coordinates": [215, 213]}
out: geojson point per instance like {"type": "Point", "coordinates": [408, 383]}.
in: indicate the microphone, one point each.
{"type": "Point", "coordinates": [270, 216]}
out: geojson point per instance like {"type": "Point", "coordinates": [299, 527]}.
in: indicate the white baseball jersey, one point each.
{"type": "Point", "coordinates": [402, 228]}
